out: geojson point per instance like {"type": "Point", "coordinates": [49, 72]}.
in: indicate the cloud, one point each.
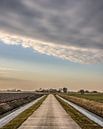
{"type": "Point", "coordinates": [5, 69]}
{"type": "Point", "coordinates": [13, 79]}
{"type": "Point", "coordinates": [71, 53]}
{"type": "Point", "coordinates": [70, 29]}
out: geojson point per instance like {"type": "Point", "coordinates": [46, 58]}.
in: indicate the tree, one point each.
{"type": "Point", "coordinates": [65, 90]}
{"type": "Point", "coordinates": [82, 91]}
{"type": "Point", "coordinates": [87, 91]}
{"type": "Point", "coordinates": [94, 91]}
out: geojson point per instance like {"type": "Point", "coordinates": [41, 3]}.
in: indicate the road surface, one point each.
{"type": "Point", "coordinates": [50, 115]}
{"type": "Point", "coordinates": [9, 117]}
{"type": "Point", "coordinates": [97, 119]}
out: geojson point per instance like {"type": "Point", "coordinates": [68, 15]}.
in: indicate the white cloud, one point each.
{"type": "Point", "coordinates": [71, 53]}
{"type": "Point", "coordinates": [5, 69]}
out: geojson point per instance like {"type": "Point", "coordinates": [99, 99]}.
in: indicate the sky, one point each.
{"type": "Point", "coordinates": [51, 44]}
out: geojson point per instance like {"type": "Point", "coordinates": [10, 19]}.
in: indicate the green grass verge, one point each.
{"type": "Point", "coordinates": [17, 121]}
{"type": "Point", "coordinates": [79, 118]}
{"type": "Point", "coordinates": [98, 97]}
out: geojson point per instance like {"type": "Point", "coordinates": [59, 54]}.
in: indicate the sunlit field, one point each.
{"type": "Point", "coordinates": [90, 101]}
{"type": "Point", "coordinates": [91, 96]}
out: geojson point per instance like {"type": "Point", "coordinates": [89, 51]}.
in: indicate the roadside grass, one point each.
{"type": "Point", "coordinates": [90, 105]}
{"type": "Point", "coordinates": [98, 97]}
{"type": "Point", "coordinates": [79, 118]}
{"type": "Point", "coordinates": [17, 121]}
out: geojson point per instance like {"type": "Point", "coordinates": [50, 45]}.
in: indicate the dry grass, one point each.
{"type": "Point", "coordinates": [98, 97]}
{"type": "Point", "coordinates": [80, 119]}
{"type": "Point", "coordinates": [90, 105]}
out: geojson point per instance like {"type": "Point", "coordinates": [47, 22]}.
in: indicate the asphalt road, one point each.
{"type": "Point", "coordinates": [50, 115]}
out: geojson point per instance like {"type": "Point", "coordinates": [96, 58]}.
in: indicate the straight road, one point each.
{"type": "Point", "coordinates": [50, 115]}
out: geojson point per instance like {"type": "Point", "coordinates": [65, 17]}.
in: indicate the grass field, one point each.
{"type": "Point", "coordinates": [90, 102]}
{"type": "Point", "coordinates": [82, 121]}
{"type": "Point", "coordinates": [98, 97]}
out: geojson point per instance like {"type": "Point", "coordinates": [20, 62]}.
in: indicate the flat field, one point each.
{"type": "Point", "coordinates": [98, 97]}
{"type": "Point", "coordinates": [91, 101]}
{"type": "Point", "coordinates": [11, 101]}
